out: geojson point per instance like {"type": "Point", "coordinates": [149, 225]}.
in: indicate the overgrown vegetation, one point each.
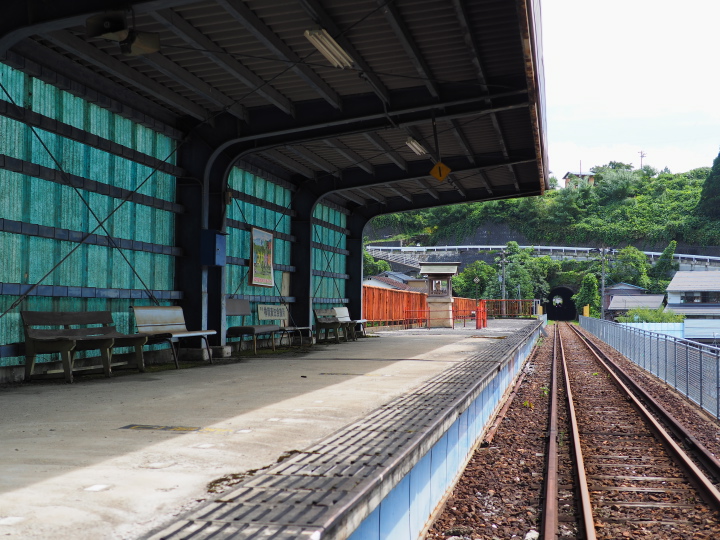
{"type": "Point", "coordinates": [622, 207]}
{"type": "Point", "coordinates": [528, 276]}
{"type": "Point", "coordinates": [659, 315]}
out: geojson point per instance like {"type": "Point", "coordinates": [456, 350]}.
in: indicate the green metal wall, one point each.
{"type": "Point", "coordinates": [27, 259]}
{"type": "Point", "coordinates": [324, 260]}
{"type": "Point", "coordinates": [238, 241]}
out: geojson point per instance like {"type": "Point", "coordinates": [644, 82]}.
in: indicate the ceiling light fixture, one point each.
{"type": "Point", "coordinates": [329, 48]}
{"type": "Point", "coordinates": [416, 147]}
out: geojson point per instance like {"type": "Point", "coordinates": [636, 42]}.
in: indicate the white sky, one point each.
{"type": "Point", "coordinates": [624, 76]}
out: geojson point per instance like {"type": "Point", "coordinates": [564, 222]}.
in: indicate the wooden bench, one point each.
{"type": "Point", "coordinates": [327, 321]}
{"type": "Point", "coordinates": [343, 315]}
{"type": "Point", "coordinates": [66, 340]}
{"type": "Point", "coordinates": [167, 324]}
{"type": "Point", "coordinates": [235, 307]}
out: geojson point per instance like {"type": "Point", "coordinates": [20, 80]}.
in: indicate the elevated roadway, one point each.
{"type": "Point", "coordinates": [412, 256]}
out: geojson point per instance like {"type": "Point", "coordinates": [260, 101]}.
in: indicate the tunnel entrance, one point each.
{"type": "Point", "coordinates": [561, 307]}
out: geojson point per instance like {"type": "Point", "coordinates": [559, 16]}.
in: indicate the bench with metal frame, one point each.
{"type": "Point", "coordinates": [350, 325]}
{"type": "Point", "coordinates": [167, 324]}
{"type": "Point", "coordinates": [237, 307]}
{"type": "Point", "coordinates": [326, 321]}
{"type": "Point", "coordinates": [78, 332]}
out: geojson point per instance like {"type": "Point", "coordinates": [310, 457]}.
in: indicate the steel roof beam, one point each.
{"type": "Point", "coordinates": [486, 180]}
{"type": "Point", "coordinates": [413, 51]}
{"type": "Point", "coordinates": [24, 18]}
{"type": "Point", "coordinates": [289, 163]}
{"type": "Point", "coordinates": [401, 193]}
{"type": "Point", "coordinates": [244, 15]}
{"type": "Point", "coordinates": [314, 159]}
{"type": "Point", "coordinates": [388, 174]}
{"type": "Point", "coordinates": [185, 78]}
{"type": "Point", "coordinates": [370, 195]}
{"type": "Point", "coordinates": [457, 185]}
{"type": "Point", "coordinates": [381, 145]}
{"type": "Point", "coordinates": [188, 33]}
{"type": "Point", "coordinates": [352, 156]}
{"type": "Point", "coordinates": [362, 119]}
{"type": "Point", "coordinates": [427, 187]}
{"type": "Point", "coordinates": [425, 200]}
{"type": "Point", "coordinates": [470, 41]}
{"type": "Point", "coordinates": [474, 47]}
{"type": "Point", "coordinates": [353, 198]}
{"type": "Point", "coordinates": [320, 17]}
{"type": "Point", "coordinates": [115, 67]}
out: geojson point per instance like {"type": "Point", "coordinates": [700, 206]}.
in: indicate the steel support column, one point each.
{"type": "Point", "coordinates": [301, 227]}
{"type": "Point", "coordinates": [354, 264]}
{"type": "Point", "coordinates": [202, 193]}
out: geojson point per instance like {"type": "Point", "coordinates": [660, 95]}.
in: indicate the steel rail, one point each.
{"type": "Point", "coordinates": [707, 490]}
{"type": "Point", "coordinates": [585, 503]}
{"type": "Point", "coordinates": [550, 506]}
{"type": "Point", "coordinates": [703, 455]}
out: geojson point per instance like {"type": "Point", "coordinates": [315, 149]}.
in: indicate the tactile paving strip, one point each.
{"type": "Point", "coordinates": [305, 494]}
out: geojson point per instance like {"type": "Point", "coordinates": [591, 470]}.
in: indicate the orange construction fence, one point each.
{"type": "Point", "coordinates": [510, 308]}
{"type": "Point", "coordinates": [383, 307]}
{"type": "Point", "coordinates": [389, 306]}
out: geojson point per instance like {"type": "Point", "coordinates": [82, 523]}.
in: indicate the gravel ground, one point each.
{"type": "Point", "coordinates": [498, 495]}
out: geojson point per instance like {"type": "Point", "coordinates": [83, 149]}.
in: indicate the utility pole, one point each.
{"type": "Point", "coordinates": [642, 155]}
{"type": "Point", "coordinates": [503, 256]}
{"type": "Point", "coordinates": [603, 250]}
{"type": "Point", "coordinates": [502, 265]}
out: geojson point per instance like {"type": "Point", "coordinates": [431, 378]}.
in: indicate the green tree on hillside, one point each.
{"type": "Point", "coordinates": [464, 285]}
{"type": "Point", "coordinates": [372, 266]}
{"type": "Point", "coordinates": [588, 294]}
{"type": "Point", "coordinates": [709, 204]}
{"type": "Point", "coordinates": [630, 266]}
{"type": "Point", "coordinates": [662, 271]}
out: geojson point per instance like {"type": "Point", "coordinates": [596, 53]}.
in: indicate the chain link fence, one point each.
{"type": "Point", "coordinates": [692, 368]}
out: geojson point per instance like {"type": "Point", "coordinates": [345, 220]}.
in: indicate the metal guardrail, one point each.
{"type": "Point", "coordinates": [412, 253]}
{"type": "Point", "coordinates": [690, 367]}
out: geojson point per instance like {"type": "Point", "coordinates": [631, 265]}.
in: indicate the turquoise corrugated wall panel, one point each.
{"type": "Point", "coordinates": [14, 83]}
{"type": "Point", "coordinates": [28, 259]}
{"type": "Point", "coordinates": [238, 242]}
{"type": "Point", "coordinates": [326, 260]}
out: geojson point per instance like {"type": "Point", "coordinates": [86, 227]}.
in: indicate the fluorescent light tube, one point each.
{"type": "Point", "coordinates": [416, 147]}
{"type": "Point", "coordinates": [329, 48]}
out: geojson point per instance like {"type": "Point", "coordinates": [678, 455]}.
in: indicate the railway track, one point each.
{"type": "Point", "coordinates": [613, 470]}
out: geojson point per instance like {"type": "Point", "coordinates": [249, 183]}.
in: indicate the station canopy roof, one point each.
{"type": "Point", "coordinates": [460, 80]}
{"type": "Point", "coordinates": [450, 268]}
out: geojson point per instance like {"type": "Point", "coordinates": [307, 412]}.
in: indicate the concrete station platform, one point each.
{"type": "Point", "coordinates": [117, 458]}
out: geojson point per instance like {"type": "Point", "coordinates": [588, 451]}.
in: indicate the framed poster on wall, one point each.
{"type": "Point", "coordinates": [261, 258]}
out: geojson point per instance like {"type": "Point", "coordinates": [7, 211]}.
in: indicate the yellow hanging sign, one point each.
{"type": "Point", "coordinates": [440, 171]}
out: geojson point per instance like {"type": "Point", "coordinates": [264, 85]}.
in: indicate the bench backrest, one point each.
{"type": "Point", "coordinates": [236, 307]}
{"type": "Point", "coordinates": [343, 314]}
{"type": "Point", "coordinates": [62, 321]}
{"type": "Point", "coordinates": [325, 315]}
{"type": "Point", "coordinates": [159, 319]}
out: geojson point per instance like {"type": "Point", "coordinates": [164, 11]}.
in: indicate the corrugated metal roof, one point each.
{"type": "Point", "coordinates": [439, 268]}
{"type": "Point", "coordinates": [461, 63]}
{"type": "Point", "coordinates": [695, 281]}
{"type": "Point", "coordinates": [650, 301]}
{"type": "Point", "coordinates": [697, 310]}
